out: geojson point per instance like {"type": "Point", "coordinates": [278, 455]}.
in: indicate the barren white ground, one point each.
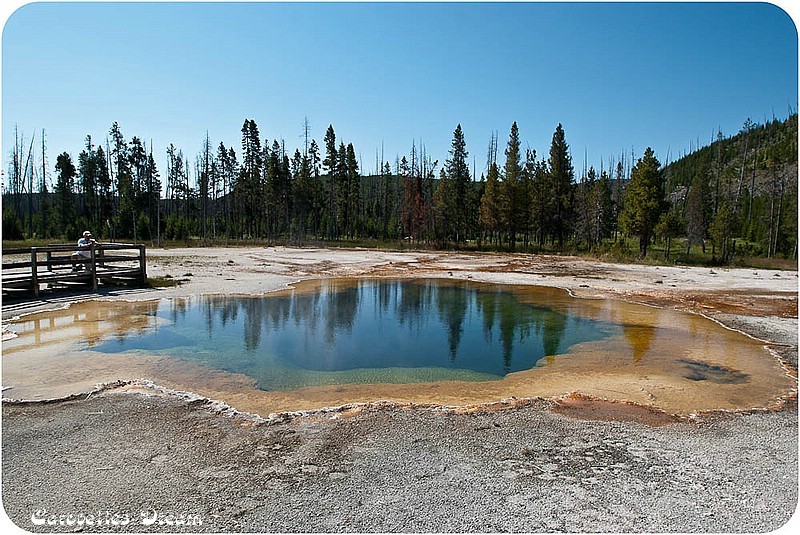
{"type": "Point", "coordinates": [527, 469]}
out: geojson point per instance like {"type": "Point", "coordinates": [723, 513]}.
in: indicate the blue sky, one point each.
{"type": "Point", "coordinates": [618, 76]}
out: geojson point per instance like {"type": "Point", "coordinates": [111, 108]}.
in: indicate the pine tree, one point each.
{"type": "Point", "coordinates": [302, 193]}
{"type": "Point", "coordinates": [540, 201]}
{"type": "Point", "coordinates": [528, 177]}
{"type": "Point", "coordinates": [698, 209]}
{"type": "Point", "coordinates": [389, 202]}
{"type": "Point", "coordinates": [722, 230]}
{"type": "Point", "coordinates": [342, 189]}
{"type": "Point", "coordinates": [644, 200]}
{"type": "Point", "coordinates": [317, 198]}
{"type": "Point", "coordinates": [584, 209]}
{"type": "Point", "coordinates": [426, 173]}
{"type": "Point", "coordinates": [204, 184]}
{"type": "Point", "coordinates": [353, 185]}
{"type": "Point", "coordinates": [139, 168]}
{"type": "Point", "coordinates": [617, 196]}
{"type": "Point", "coordinates": [603, 206]}
{"type": "Point", "coordinates": [88, 177]}
{"type": "Point", "coordinates": [178, 194]}
{"type": "Point", "coordinates": [124, 216]}
{"type": "Point", "coordinates": [225, 163]}
{"type": "Point", "coordinates": [153, 193]}
{"type": "Point", "coordinates": [445, 211]}
{"type": "Point", "coordinates": [105, 192]}
{"type": "Point", "coordinates": [284, 192]}
{"type": "Point", "coordinates": [514, 204]}
{"type": "Point", "coordinates": [137, 163]}
{"type": "Point", "coordinates": [330, 165]}
{"type": "Point", "coordinates": [95, 188]}
{"type": "Point", "coordinates": [278, 190]}
{"type": "Point", "coordinates": [250, 186]}
{"type": "Point", "coordinates": [64, 192]}
{"type": "Point", "coordinates": [457, 172]}
{"type": "Point", "coordinates": [408, 204]}
{"type": "Point", "coordinates": [562, 178]}
{"type": "Point", "coordinates": [669, 226]}
{"type": "Point", "coordinates": [490, 217]}
{"type": "Point", "coordinates": [171, 179]}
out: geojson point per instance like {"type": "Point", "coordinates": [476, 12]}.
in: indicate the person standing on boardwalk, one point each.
{"type": "Point", "coordinates": [85, 244]}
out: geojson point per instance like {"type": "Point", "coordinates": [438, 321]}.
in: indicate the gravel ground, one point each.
{"type": "Point", "coordinates": [155, 462]}
{"type": "Point", "coordinates": [393, 470]}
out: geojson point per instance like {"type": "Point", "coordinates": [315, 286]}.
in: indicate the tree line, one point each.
{"type": "Point", "coordinates": [737, 195]}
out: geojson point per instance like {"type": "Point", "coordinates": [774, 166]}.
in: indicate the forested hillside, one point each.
{"type": "Point", "coordinates": [736, 197]}
{"type": "Point", "coordinates": [741, 191]}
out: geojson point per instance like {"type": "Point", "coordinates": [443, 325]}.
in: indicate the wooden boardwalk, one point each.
{"type": "Point", "coordinates": [48, 268]}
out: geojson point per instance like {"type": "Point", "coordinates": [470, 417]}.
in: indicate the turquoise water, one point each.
{"type": "Point", "coordinates": [366, 331]}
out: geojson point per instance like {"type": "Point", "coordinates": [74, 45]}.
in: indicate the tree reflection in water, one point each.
{"type": "Point", "coordinates": [346, 327]}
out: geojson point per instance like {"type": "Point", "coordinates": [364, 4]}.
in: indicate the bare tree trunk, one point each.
{"type": "Point", "coordinates": [30, 187]}
{"type": "Point", "coordinates": [778, 219]}
{"type": "Point", "coordinates": [44, 165]}
{"type": "Point", "coordinates": [718, 170]}
{"type": "Point", "coordinates": [752, 188]}
{"type": "Point", "coordinates": [741, 175]}
{"type": "Point", "coordinates": [771, 218]}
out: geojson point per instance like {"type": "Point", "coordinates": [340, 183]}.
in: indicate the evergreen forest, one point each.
{"type": "Point", "coordinates": [735, 198]}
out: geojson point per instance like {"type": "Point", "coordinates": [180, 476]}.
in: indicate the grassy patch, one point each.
{"type": "Point", "coordinates": [22, 244]}
{"type": "Point", "coordinates": [163, 282]}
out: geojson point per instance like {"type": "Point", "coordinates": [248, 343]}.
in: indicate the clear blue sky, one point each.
{"type": "Point", "coordinates": [619, 77]}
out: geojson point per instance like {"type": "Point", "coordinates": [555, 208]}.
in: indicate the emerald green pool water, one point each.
{"type": "Point", "coordinates": [362, 331]}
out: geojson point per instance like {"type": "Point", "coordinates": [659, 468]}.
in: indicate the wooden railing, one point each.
{"type": "Point", "coordinates": [33, 269]}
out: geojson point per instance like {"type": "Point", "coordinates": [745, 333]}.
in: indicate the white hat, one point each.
{"type": "Point", "coordinates": [87, 233]}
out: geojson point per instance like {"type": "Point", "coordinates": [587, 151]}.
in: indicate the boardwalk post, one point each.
{"type": "Point", "coordinates": [93, 267]}
{"type": "Point", "coordinates": [142, 264]}
{"type": "Point", "coordinates": [35, 271]}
